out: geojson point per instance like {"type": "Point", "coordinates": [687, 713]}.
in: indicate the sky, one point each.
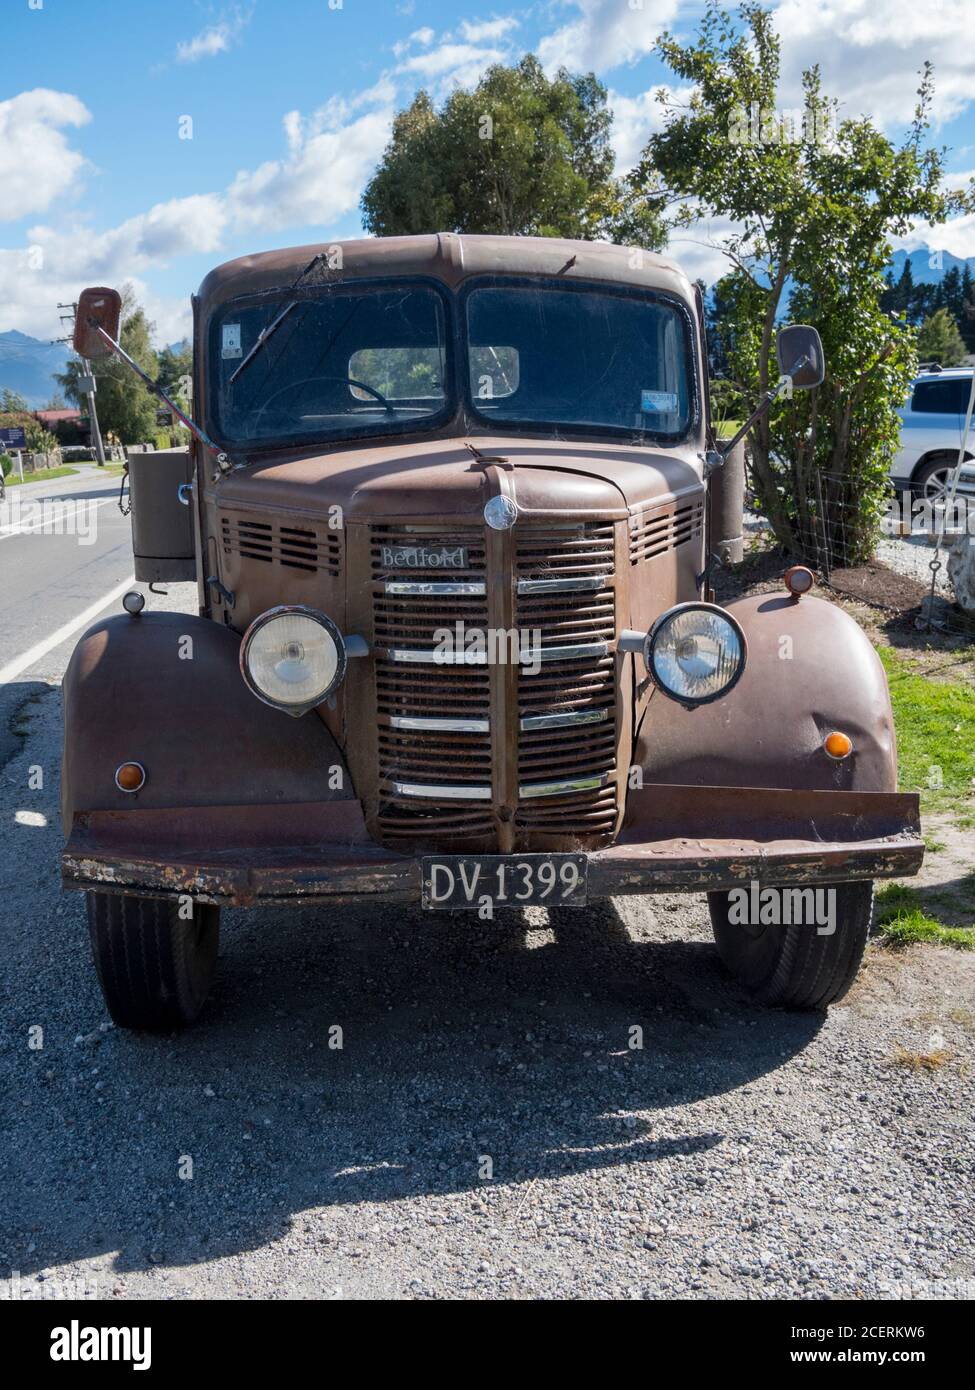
{"type": "Point", "coordinates": [149, 140]}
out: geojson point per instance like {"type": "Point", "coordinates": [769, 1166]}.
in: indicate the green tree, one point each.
{"type": "Point", "coordinates": [520, 155]}
{"type": "Point", "coordinates": [176, 372]}
{"type": "Point", "coordinates": [939, 340]}
{"type": "Point", "coordinates": [39, 441]}
{"type": "Point", "coordinates": [125, 407]}
{"type": "Point", "coordinates": [966, 322]}
{"type": "Point", "coordinates": [815, 205]}
{"type": "Point", "coordinates": [13, 400]}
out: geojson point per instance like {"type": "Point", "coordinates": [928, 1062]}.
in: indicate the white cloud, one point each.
{"type": "Point", "coordinates": [606, 33]}
{"type": "Point", "coordinates": [58, 262]}
{"type": "Point", "coordinates": [179, 227]}
{"type": "Point", "coordinates": [487, 29]}
{"type": "Point", "coordinates": [449, 57]}
{"type": "Point", "coordinates": [321, 179]}
{"type": "Point", "coordinates": [37, 164]}
{"type": "Point", "coordinates": [216, 38]}
{"type": "Point", "coordinates": [635, 119]}
{"type": "Point", "coordinates": [956, 236]}
{"type": "Point", "coordinates": [870, 56]}
{"type": "Point", "coordinates": [422, 37]}
{"type": "Point", "coordinates": [29, 295]}
{"type": "Point", "coordinates": [451, 65]}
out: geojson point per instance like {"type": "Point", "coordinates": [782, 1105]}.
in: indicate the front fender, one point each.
{"type": "Point", "coordinates": [165, 690]}
{"type": "Point", "coordinates": [810, 670]}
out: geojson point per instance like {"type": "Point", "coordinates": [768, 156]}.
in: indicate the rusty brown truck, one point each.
{"type": "Point", "coordinates": [447, 508]}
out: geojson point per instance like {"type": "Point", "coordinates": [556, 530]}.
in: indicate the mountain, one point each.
{"type": "Point", "coordinates": [922, 270]}
{"type": "Point", "coordinates": [27, 366]}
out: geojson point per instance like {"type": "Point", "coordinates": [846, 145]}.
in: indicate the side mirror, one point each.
{"type": "Point", "coordinates": [799, 353]}
{"type": "Point", "coordinates": [99, 307]}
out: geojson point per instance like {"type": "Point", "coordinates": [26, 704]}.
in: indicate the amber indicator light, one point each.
{"type": "Point", "coordinates": [798, 580]}
{"type": "Point", "coordinates": [838, 745]}
{"type": "Point", "coordinates": [129, 777]}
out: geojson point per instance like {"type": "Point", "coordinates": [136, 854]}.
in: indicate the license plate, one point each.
{"type": "Point", "coordinates": [452, 881]}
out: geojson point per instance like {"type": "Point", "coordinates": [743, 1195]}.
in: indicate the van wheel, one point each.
{"type": "Point", "coordinates": [794, 967]}
{"type": "Point", "coordinates": [155, 968]}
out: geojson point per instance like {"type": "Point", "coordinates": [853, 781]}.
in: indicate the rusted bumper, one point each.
{"type": "Point", "coordinates": [675, 839]}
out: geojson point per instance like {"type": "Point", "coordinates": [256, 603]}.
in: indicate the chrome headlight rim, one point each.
{"type": "Point", "coordinates": [326, 623]}
{"type": "Point", "coordinates": [653, 636]}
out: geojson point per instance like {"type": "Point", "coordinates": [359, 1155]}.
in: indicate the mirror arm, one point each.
{"type": "Point", "coordinates": [725, 449]}
{"type": "Point", "coordinates": [223, 462]}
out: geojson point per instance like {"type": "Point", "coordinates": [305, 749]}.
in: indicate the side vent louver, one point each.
{"type": "Point", "coordinates": [316, 551]}
{"type": "Point", "coordinates": [655, 532]}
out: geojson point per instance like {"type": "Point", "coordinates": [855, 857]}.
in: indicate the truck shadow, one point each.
{"type": "Point", "coordinates": [376, 1056]}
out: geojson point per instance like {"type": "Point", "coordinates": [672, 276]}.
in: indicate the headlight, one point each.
{"type": "Point", "coordinates": [293, 658]}
{"type": "Point", "coordinates": [695, 652]}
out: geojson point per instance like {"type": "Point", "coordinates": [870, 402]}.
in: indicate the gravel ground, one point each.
{"type": "Point", "coordinates": [912, 556]}
{"type": "Point", "coordinates": [486, 1130]}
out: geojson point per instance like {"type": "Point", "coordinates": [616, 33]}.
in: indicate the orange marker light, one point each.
{"type": "Point", "coordinates": [129, 777]}
{"type": "Point", "coordinates": [798, 579]}
{"type": "Point", "coordinates": [838, 745]}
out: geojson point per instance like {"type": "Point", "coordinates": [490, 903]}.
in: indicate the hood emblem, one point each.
{"type": "Point", "coordinates": [501, 512]}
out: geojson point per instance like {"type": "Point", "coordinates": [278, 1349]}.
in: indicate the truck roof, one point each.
{"type": "Point", "coordinates": [448, 257]}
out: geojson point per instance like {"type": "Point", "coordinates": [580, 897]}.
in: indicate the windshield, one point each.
{"type": "Point", "coordinates": [586, 357]}
{"type": "Point", "coordinates": [339, 363]}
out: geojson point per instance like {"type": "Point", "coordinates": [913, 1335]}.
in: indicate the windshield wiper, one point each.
{"type": "Point", "coordinates": [262, 338]}
{"type": "Point", "coordinates": [265, 333]}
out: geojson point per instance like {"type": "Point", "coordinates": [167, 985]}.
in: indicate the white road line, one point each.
{"type": "Point", "coordinates": [25, 527]}
{"type": "Point", "coordinates": [13, 669]}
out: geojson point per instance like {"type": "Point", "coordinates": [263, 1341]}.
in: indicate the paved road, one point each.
{"type": "Point", "coordinates": [487, 1127]}
{"type": "Point", "coordinates": [64, 547]}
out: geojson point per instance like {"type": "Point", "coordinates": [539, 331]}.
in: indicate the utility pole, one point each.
{"type": "Point", "coordinates": [87, 386]}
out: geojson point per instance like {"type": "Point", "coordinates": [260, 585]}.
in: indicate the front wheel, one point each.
{"type": "Point", "coordinates": [155, 966]}
{"type": "Point", "coordinates": [796, 966]}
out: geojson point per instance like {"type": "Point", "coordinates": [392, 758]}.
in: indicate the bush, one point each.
{"type": "Point", "coordinates": [38, 439]}
{"type": "Point", "coordinates": [727, 401]}
{"type": "Point", "coordinates": [6, 464]}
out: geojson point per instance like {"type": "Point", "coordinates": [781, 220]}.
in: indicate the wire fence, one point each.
{"type": "Point", "coordinates": [906, 572]}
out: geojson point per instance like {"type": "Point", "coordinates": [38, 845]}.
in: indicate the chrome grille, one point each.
{"type": "Point", "coordinates": [435, 754]}
{"type": "Point", "coordinates": [413, 696]}
{"type": "Point", "coordinates": [567, 710]}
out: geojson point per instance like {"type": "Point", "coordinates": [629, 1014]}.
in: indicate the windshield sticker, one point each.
{"type": "Point", "coordinates": [658, 402]}
{"type": "Point", "coordinates": [231, 340]}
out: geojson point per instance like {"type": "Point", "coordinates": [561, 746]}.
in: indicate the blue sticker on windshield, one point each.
{"type": "Point", "coordinates": [658, 402]}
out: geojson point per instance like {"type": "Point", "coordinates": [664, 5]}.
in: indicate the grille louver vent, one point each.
{"type": "Point", "coordinates": [655, 532]}
{"type": "Point", "coordinates": [315, 551]}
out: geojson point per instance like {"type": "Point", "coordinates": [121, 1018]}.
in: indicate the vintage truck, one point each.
{"type": "Point", "coordinates": [450, 509]}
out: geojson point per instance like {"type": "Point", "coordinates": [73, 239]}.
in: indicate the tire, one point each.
{"type": "Point", "coordinates": [793, 967]}
{"type": "Point", "coordinates": [154, 967]}
{"type": "Point", "coordinates": [930, 479]}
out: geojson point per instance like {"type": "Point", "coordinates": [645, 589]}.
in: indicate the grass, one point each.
{"type": "Point", "coordinates": [921, 1061]}
{"type": "Point", "coordinates": [902, 922]}
{"type": "Point", "coordinates": [42, 476]}
{"type": "Point", "coordinates": [935, 723]}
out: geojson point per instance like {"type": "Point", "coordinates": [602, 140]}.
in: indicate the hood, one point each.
{"type": "Point", "coordinates": [435, 478]}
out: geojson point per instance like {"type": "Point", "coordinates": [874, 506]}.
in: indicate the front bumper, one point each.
{"type": "Point", "coordinates": [675, 839]}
